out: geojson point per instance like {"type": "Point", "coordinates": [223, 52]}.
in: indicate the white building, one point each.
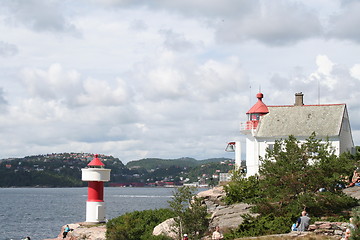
{"type": "Point", "coordinates": [269, 123]}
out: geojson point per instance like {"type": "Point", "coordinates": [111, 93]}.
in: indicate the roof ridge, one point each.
{"type": "Point", "coordinates": [308, 105]}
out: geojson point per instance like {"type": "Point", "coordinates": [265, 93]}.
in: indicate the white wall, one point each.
{"type": "Point", "coordinates": [257, 147]}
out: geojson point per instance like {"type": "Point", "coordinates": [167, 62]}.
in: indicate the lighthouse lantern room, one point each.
{"type": "Point", "coordinates": [95, 174]}
{"type": "Point", "coordinates": [254, 114]}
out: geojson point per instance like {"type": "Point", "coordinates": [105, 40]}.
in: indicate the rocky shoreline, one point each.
{"type": "Point", "coordinates": [227, 217]}
{"type": "Point", "coordinates": [83, 230]}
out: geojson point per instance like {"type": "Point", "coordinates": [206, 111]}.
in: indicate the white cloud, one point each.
{"type": "Point", "coordinates": [8, 49]}
{"type": "Point", "coordinates": [324, 64]}
{"type": "Point", "coordinates": [274, 24]}
{"type": "Point", "coordinates": [355, 71]}
{"type": "Point", "coordinates": [55, 83]}
{"type": "Point", "coordinates": [176, 41]}
{"type": "Point", "coordinates": [343, 24]}
{"type": "Point", "coordinates": [101, 93]}
{"type": "Point", "coordinates": [38, 15]}
{"type": "Point", "coordinates": [163, 78]}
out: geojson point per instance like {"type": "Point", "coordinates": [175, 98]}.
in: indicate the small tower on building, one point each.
{"type": "Point", "coordinates": [255, 112]}
{"type": "Point", "coordinates": [95, 174]}
{"type": "Point", "coordinates": [249, 129]}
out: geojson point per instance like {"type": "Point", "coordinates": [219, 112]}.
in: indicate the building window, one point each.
{"type": "Point", "coordinates": [271, 146]}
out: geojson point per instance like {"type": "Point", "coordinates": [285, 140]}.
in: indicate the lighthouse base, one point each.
{"type": "Point", "coordinates": [95, 212]}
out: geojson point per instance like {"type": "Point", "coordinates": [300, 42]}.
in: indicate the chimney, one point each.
{"type": "Point", "coordinates": [299, 101]}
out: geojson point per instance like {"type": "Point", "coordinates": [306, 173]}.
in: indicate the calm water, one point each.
{"type": "Point", "coordinates": [41, 212]}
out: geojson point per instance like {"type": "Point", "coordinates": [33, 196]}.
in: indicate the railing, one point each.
{"type": "Point", "coordinates": [249, 125]}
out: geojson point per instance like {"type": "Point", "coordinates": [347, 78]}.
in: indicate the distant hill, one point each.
{"type": "Point", "coordinates": [52, 170]}
{"type": "Point", "coordinates": [155, 163]}
{"type": "Point", "coordinates": [64, 170]}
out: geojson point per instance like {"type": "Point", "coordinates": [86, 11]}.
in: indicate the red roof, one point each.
{"type": "Point", "coordinates": [259, 107]}
{"type": "Point", "coordinates": [96, 162]}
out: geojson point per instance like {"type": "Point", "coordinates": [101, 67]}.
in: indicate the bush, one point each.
{"type": "Point", "coordinates": [137, 225]}
{"type": "Point", "coordinates": [317, 204]}
{"type": "Point", "coordinates": [242, 189]}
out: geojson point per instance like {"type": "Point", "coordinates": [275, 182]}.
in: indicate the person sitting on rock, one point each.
{"type": "Point", "coordinates": [66, 231]}
{"type": "Point", "coordinates": [355, 178]}
{"type": "Point", "coordinates": [217, 234]}
{"type": "Point", "coordinates": [303, 222]}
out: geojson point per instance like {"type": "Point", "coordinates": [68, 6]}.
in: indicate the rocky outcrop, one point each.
{"type": "Point", "coordinates": [329, 228]}
{"type": "Point", "coordinates": [353, 192]}
{"type": "Point", "coordinates": [213, 198]}
{"type": "Point", "coordinates": [226, 217]}
{"type": "Point", "coordinates": [229, 217]}
{"type": "Point", "coordinates": [166, 228]}
{"type": "Point", "coordinates": [83, 231]}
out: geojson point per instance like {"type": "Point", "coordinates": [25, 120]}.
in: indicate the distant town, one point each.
{"type": "Point", "coordinates": [64, 170]}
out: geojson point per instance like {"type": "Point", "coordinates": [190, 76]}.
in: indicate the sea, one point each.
{"type": "Point", "coordinates": [41, 212]}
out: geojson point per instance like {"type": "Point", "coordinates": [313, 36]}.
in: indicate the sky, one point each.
{"type": "Point", "coordinates": [167, 79]}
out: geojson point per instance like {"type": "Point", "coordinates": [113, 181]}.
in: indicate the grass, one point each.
{"type": "Point", "coordinates": [289, 237]}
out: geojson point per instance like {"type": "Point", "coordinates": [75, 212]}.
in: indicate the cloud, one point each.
{"type": "Point", "coordinates": [41, 16]}
{"type": "Point", "coordinates": [330, 83]}
{"type": "Point", "coordinates": [98, 92]}
{"type": "Point", "coordinates": [173, 76]}
{"type": "Point", "coordinates": [197, 9]}
{"type": "Point", "coordinates": [343, 24]}
{"type": "Point", "coordinates": [175, 41]}
{"type": "Point", "coordinates": [68, 87]}
{"type": "Point", "coordinates": [355, 71]}
{"type": "Point", "coordinates": [138, 25]}
{"type": "Point", "coordinates": [272, 23]}
{"type": "Point", "coordinates": [277, 24]}
{"type": "Point", "coordinates": [53, 84]}
{"type": "Point", "coordinates": [8, 49]}
{"type": "Point", "coordinates": [162, 78]}
{"type": "Point", "coordinates": [3, 102]}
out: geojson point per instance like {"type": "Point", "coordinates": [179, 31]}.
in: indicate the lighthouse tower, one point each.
{"type": "Point", "coordinates": [249, 129]}
{"type": "Point", "coordinates": [95, 174]}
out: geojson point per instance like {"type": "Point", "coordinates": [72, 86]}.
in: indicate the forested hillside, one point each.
{"type": "Point", "coordinates": [64, 170]}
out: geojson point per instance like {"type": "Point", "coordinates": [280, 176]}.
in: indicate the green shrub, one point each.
{"type": "Point", "coordinates": [137, 225]}
{"type": "Point", "coordinates": [242, 189]}
{"type": "Point", "coordinates": [317, 204]}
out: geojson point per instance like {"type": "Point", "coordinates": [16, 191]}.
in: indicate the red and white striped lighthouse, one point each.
{"type": "Point", "coordinates": [95, 174]}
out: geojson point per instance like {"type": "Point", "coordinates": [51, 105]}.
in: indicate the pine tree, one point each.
{"type": "Point", "coordinates": [307, 175]}
{"type": "Point", "coordinates": [191, 214]}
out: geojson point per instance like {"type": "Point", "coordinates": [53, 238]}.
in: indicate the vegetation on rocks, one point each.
{"type": "Point", "coordinates": [137, 225]}
{"type": "Point", "coordinates": [191, 215]}
{"type": "Point", "coordinates": [355, 232]}
{"type": "Point", "coordinates": [294, 177]}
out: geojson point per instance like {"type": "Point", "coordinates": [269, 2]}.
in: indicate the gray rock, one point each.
{"type": "Point", "coordinates": [230, 217]}
{"type": "Point", "coordinates": [353, 192]}
{"type": "Point", "coordinates": [83, 231]}
{"type": "Point", "coordinates": [166, 228]}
